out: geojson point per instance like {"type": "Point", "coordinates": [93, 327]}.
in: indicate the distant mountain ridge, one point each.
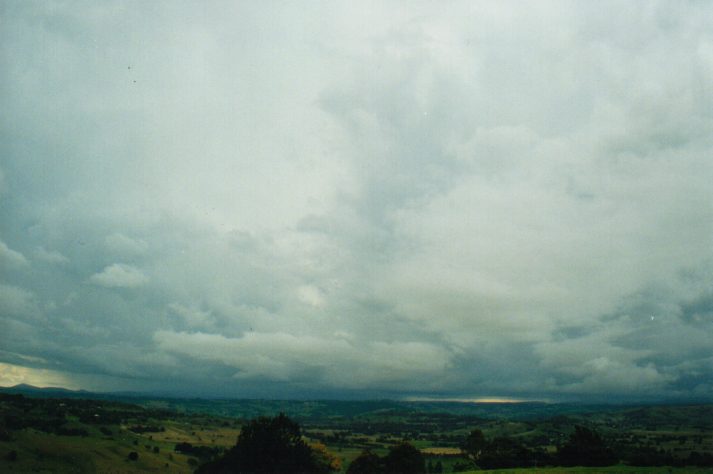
{"type": "Point", "coordinates": [57, 392]}
{"type": "Point", "coordinates": [26, 388]}
{"type": "Point", "coordinates": [311, 410]}
{"type": "Point", "coordinates": [314, 409]}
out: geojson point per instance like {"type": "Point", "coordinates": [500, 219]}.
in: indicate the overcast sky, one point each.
{"type": "Point", "coordinates": [357, 199]}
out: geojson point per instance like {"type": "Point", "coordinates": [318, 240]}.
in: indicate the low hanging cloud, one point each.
{"type": "Point", "coordinates": [330, 362]}
{"type": "Point", "coordinates": [119, 275]}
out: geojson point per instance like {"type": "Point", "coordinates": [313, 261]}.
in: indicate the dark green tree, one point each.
{"type": "Point", "coordinates": [474, 444]}
{"type": "Point", "coordinates": [366, 463]}
{"type": "Point", "coordinates": [404, 458]}
{"type": "Point", "coordinates": [585, 448]}
{"type": "Point", "coordinates": [502, 453]}
{"type": "Point", "coordinates": [268, 446]}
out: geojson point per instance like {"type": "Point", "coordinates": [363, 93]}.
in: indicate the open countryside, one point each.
{"type": "Point", "coordinates": [49, 431]}
{"type": "Point", "coordinates": [356, 237]}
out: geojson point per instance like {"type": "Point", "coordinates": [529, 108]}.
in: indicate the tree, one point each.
{"type": "Point", "coordinates": [366, 463]}
{"type": "Point", "coordinates": [503, 453]}
{"type": "Point", "coordinates": [326, 460]}
{"type": "Point", "coordinates": [404, 458]}
{"type": "Point", "coordinates": [269, 446]}
{"type": "Point", "coordinates": [585, 448]}
{"type": "Point", "coordinates": [474, 444]}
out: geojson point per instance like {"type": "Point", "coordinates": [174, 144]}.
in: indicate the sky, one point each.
{"type": "Point", "coordinates": [458, 200]}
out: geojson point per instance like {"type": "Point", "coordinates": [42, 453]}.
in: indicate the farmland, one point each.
{"type": "Point", "coordinates": [40, 432]}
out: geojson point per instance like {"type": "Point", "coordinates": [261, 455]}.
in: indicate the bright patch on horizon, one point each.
{"type": "Point", "coordinates": [472, 400]}
{"type": "Point", "coordinates": [11, 375]}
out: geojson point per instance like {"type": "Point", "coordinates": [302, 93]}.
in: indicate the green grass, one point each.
{"type": "Point", "coordinates": [599, 470]}
{"type": "Point", "coordinates": [42, 452]}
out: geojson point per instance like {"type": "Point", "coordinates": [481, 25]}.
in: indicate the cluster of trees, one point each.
{"type": "Point", "coordinates": [401, 459]}
{"type": "Point", "coordinates": [584, 448]}
{"type": "Point", "coordinates": [59, 416]}
{"type": "Point", "coordinates": [648, 456]}
{"type": "Point", "coordinates": [271, 446]}
{"type": "Point", "coordinates": [204, 453]}
{"type": "Point", "coordinates": [275, 445]}
{"type": "Point", "coordinates": [139, 429]}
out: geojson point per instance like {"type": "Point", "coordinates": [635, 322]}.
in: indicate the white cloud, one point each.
{"type": "Point", "coordinates": [11, 258]}
{"type": "Point", "coordinates": [311, 295]}
{"type": "Point", "coordinates": [335, 362]}
{"type": "Point", "coordinates": [124, 246]}
{"type": "Point", "coordinates": [50, 256]}
{"type": "Point", "coordinates": [191, 316]}
{"type": "Point", "coordinates": [119, 275]}
{"type": "Point", "coordinates": [17, 302]}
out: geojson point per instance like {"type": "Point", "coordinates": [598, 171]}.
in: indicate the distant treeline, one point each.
{"type": "Point", "coordinates": [66, 417]}
{"type": "Point", "coordinates": [585, 447]}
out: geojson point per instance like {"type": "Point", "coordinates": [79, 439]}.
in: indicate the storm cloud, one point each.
{"type": "Point", "coordinates": [476, 199]}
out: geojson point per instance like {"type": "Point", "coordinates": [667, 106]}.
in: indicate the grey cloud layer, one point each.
{"type": "Point", "coordinates": [393, 199]}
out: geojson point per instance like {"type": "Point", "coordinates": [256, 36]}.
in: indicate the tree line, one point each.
{"type": "Point", "coordinates": [276, 445]}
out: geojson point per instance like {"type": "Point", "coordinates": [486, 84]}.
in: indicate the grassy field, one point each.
{"type": "Point", "coordinates": [200, 435]}
{"type": "Point", "coordinates": [42, 452]}
{"type": "Point", "coordinates": [599, 470]}
{"type": "Point", "coordinates": [74, 435]}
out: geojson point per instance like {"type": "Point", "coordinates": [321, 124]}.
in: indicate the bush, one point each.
{"type": "Point", "coordinates": [183, 448]}
{"type": "Point", "coordinates": [133, 456]}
